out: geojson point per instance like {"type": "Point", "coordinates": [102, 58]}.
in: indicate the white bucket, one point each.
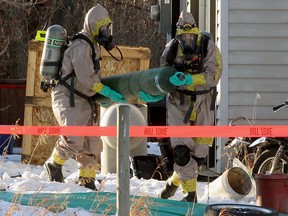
{"type": "Point", "coordinates": [234, 182]}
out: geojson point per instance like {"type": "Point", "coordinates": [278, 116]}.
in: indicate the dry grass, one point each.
{"type": "Point", "coordinates": [6, 144]}
{"type": "Point", "coordinates": [140, 206]}
{"type": "Point", "coordinates": [47, 205]}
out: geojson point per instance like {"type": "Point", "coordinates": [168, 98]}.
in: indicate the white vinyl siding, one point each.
{"type": "Point", "coordinates": [253, 40]}
{"type": "Point", "coordinates": [257, 59]}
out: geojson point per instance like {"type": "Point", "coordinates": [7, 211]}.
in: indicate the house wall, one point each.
{"type": "Point", "coordinates": [12, 96]}
{"type": "Point", "coordinates": [253, 39]}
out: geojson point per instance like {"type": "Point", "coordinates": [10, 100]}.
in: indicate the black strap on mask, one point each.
{"type": "Point", "coordinates": [106, 42]}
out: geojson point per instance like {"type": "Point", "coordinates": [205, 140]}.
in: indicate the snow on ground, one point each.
{"type": "Point", "coordinates": [29, 179]}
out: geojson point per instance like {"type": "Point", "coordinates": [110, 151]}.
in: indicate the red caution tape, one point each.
{"type": "Point", "coordinates": [153, 131]}
{"type": "Point", "coordinates": [58, 130]}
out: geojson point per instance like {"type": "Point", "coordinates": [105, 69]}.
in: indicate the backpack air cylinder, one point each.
{"type": "Point", "coordinates": [55, 38]}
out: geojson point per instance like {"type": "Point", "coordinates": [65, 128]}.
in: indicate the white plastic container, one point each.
{"type": "Point", "coordinates": [234, 182]}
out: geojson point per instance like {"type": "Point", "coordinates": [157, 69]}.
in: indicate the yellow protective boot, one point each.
{"type": "Point", "coordinates": [87, 182]}
{"type": "Point", "coordinates": [168, 191]}
{"type": "Point", "coordinates": [171, 187]}
{"type": "Point", "coordinates": [53, 167]}
{"type": "Point", "coordinates": [54, 171]}
{"type": "Point", "coordinates": [190, 197]}
{"type": "Point", "coordinates": [189, 187]}
{"type": "Point", "coordinates": [87, 178]}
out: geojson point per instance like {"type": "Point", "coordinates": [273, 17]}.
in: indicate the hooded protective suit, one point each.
{"type": "Point", "coordinates": [192, 102]}
{"type": "Point", "coordinates": [87, 80]}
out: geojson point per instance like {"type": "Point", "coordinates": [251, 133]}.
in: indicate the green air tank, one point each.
{"type": "Point", "coordinates": [154, 81]}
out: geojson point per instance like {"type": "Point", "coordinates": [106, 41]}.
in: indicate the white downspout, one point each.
{"type": "Point", "coordinates": [222, 39]}
{"type": "Point", "coordinates": [204, 15]}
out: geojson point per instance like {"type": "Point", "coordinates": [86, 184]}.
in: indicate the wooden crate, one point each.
{"type": "Point", "coordinates": [38, 111]}
{"type": "Point", "coordinates": [134, 58]}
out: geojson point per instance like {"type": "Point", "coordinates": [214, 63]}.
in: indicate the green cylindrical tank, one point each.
{"type": "Point", "coordinates": [154, 81]}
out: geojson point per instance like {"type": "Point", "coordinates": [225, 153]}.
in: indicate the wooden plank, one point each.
{"type": "Point", "coordinates": [110, 67]}
{"type": "Point", "coordinates": [258, 16]}
{"type": "Point", "coordinates": [134, 59]}
{"type": "Point", "coordinates": [37, 149]}
{"type": "Point", "coordinates": [27, 139]}
{"type": "Point", "coordinates": [144, 64]}
{"type": "Point", "coordinates": [32, 144]}
{"type": "Point", "coordinates": [128, 52]}
{"type": "Point", "coordinates": [31, 71]}
{"type": "Point", "coordinates": [36, 101]}
{"type": "Point", "coordinates": [36, 46]}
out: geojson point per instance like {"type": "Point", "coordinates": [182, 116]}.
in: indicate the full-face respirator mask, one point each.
{"type": "Point", "coordinates": [187, 41]}
{"type": "Point", "coordinates": [105, 37]}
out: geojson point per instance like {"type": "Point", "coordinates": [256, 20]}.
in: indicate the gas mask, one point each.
{"type": "Point", "coordinates": [105, 37]}
{"type": "Point", "coordinates": [188, 43]}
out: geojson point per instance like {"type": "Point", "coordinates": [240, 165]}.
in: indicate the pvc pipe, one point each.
{"type": "Point", "coordinates": [138, 145]}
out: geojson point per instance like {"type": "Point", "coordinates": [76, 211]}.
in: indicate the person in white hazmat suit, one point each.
{"type": "Point", "coordinates": [199, 65]}
{"type": "Point", "coordinates": [200, 68]}
{"type": "Point", "coordinates": [86, 81]}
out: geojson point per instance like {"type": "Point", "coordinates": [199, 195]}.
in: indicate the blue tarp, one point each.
{"type": "Point", "coordinates": [104, 203]}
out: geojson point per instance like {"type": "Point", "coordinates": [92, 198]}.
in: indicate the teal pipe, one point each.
{"type": "Point", "coordinates": [154, 81]}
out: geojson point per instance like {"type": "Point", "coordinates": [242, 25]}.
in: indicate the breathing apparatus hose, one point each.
{"type": "Point", "coordinates": [117, 59]}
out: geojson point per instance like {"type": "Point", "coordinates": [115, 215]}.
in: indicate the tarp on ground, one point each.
{"type": "Point", "coordinates": [104, 203]}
